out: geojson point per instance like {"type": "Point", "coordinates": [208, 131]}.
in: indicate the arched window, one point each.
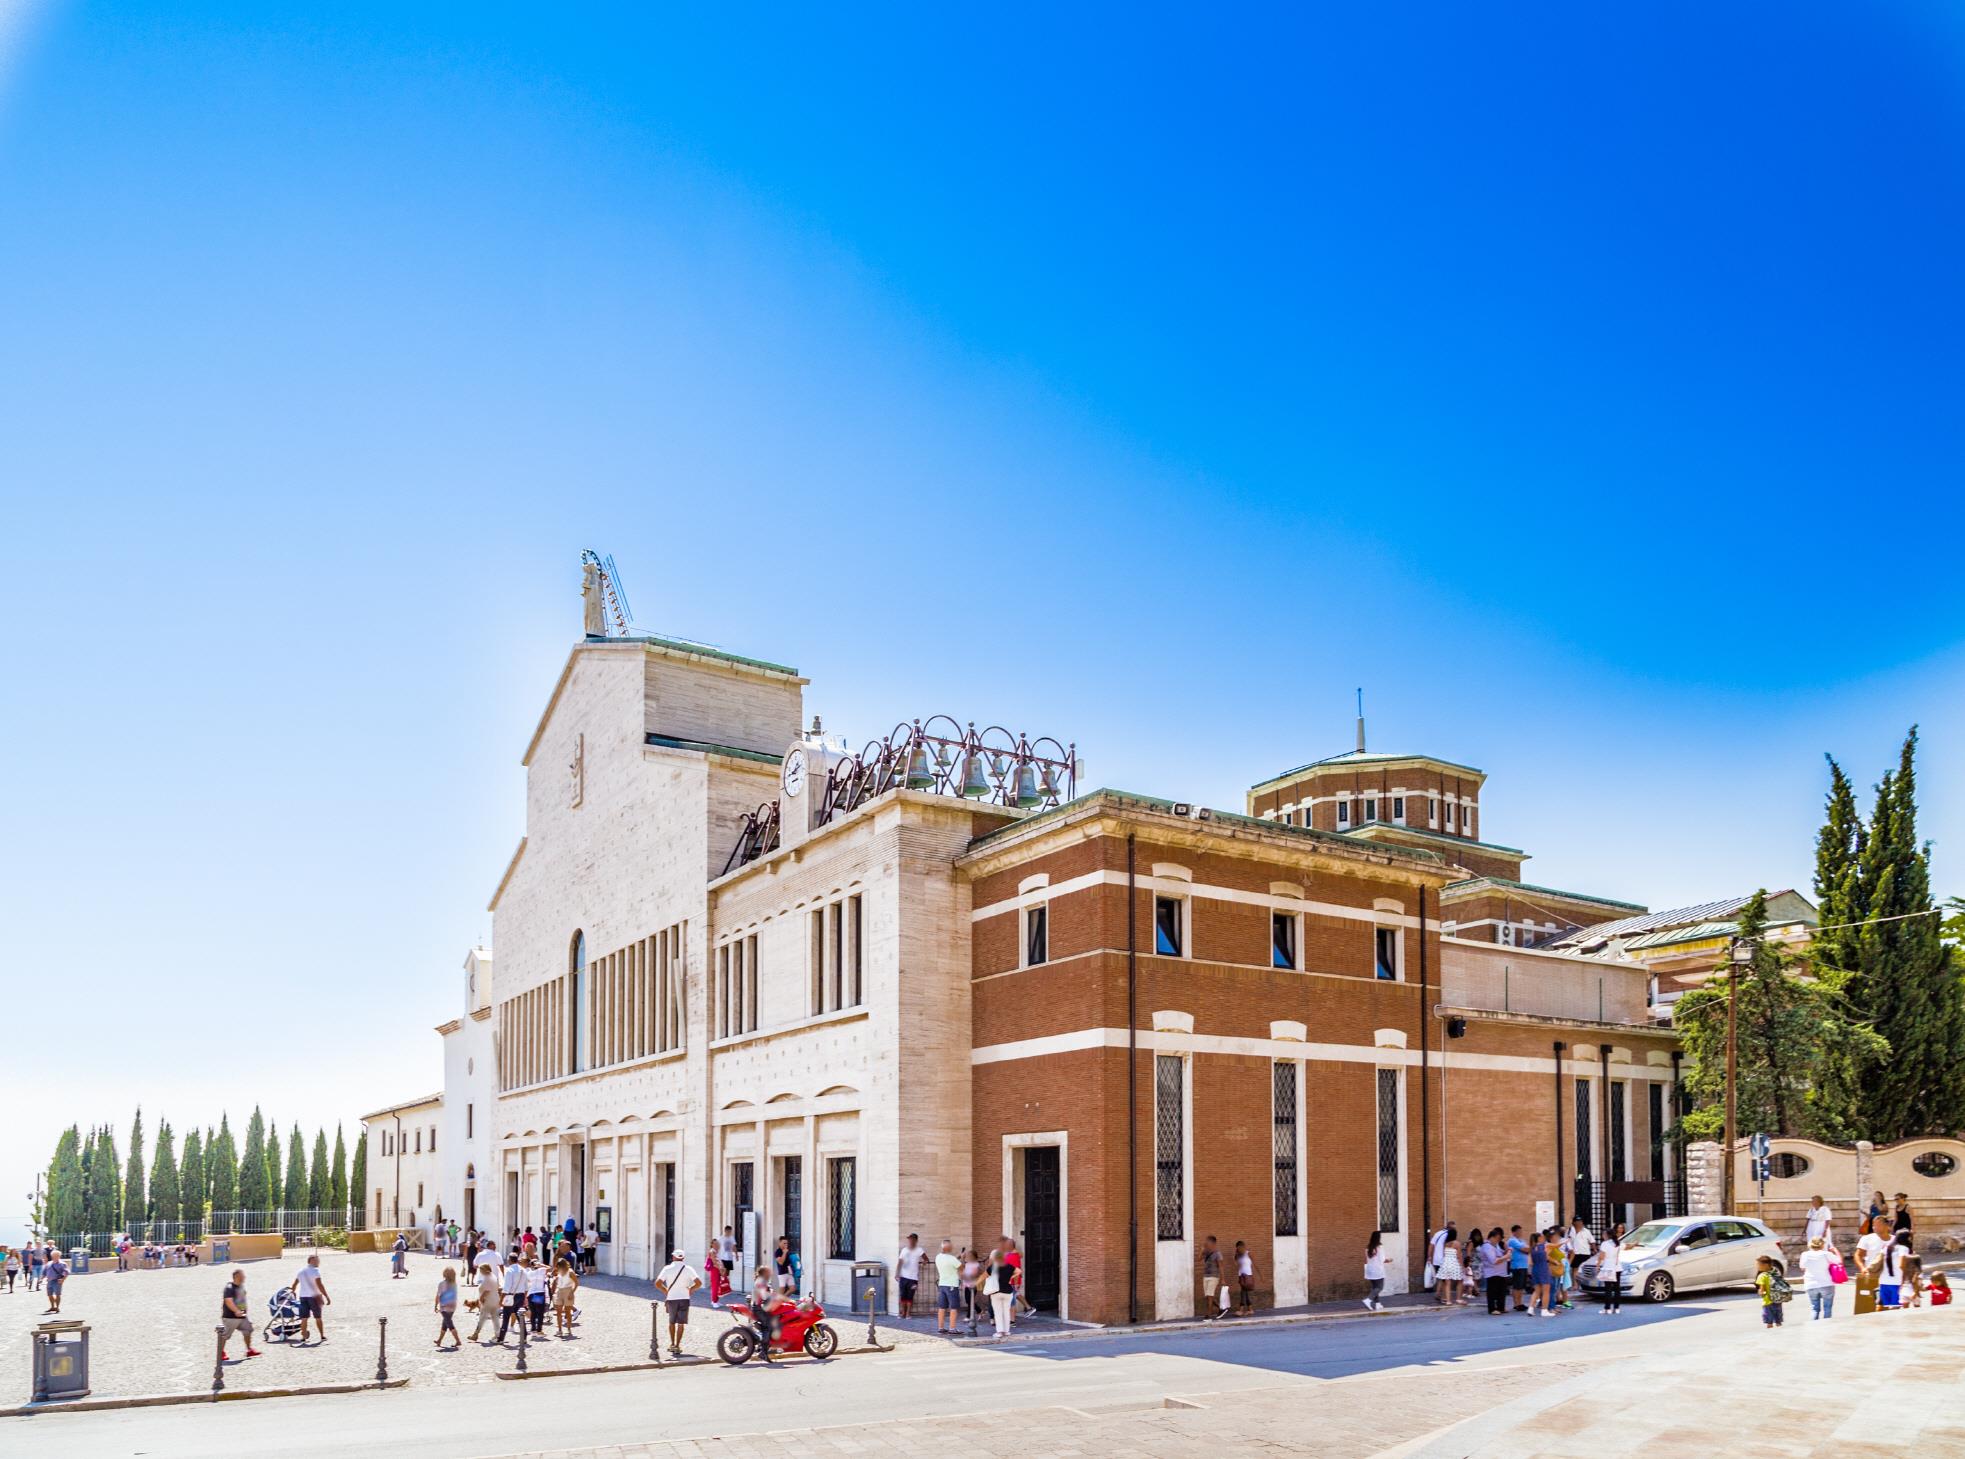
{"type": "Point", "coordinates": [577, 976]}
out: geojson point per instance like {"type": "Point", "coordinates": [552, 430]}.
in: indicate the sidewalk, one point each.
{"type": "Point", "coordinates": [1047, 1328]}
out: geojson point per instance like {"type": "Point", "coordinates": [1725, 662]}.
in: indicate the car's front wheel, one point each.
{"type": "Point", "coordinates": [1658, 1287]}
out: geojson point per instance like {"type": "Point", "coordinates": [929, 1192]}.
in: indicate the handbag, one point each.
{"type": "Point", "coordinates": [1838, 1273]}
{"type": "Point", "coordinates": [1430, 1277]}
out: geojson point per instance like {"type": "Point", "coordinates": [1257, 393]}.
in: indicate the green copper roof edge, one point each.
{"type": "Point", "coordinates": [670, 742]}
{"type": "Point", "coordinates": [1370, 757]}
{"type": "Point", "coordinates": [702, 650]}
{"type": "Point", "coordinates": [1528, 886]}
{"type": "Point", "coordinates": [1431, 836]}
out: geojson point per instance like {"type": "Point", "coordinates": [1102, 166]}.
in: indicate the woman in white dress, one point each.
{"type": "Point", "coordinates": [1446, 1265]}
{"type": "Point", "coordinates": [1610, 1268]}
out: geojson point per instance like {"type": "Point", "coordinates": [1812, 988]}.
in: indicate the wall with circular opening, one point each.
{"type": "Point", "coordinates": [1934, 1163]}
{"type": "Point", "coordinates": [1787, 1165]}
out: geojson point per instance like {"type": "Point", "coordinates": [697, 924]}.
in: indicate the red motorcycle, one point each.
{"type": "Point", "coordinates": [800, 1328]}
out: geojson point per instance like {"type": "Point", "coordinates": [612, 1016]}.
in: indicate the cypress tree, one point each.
{"type": "Point", "coordinates": [275, 1171]}
{"type": "Point", "coordinates": [135, 1207]}
{"type": "Point", "coordinates": [338, 1174]}
{"type": "Point", "coordinates": [223, 1159]}
{"type": "Point", "coordinates": [253, 1186]}
{"type": "Point", "coordinates": [294, 1192]}
{"type": "Point", "coordinates": [317, 1174]}
{"type": "Point", "coordinates": [358, 1181]}
{"type": "Point", "coordinates": [163, 1176]}
{"type": "Point", "coordinates": [104, 1195]}
{"type": "Point", "coordinates": [65, 1186]}
{"type": "Point", "coordinates": [191, 1179]}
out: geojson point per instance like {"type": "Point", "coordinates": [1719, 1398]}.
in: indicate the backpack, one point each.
{"type": "Point", "coordinates": [1779, 1288]}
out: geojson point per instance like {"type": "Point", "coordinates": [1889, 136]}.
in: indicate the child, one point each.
{"type": "Point", "coordinates": [1374, 1271]}
{"type": "Point", "coordinates": [565, 1284]}
{"type": "Point", "coordinates": [1940, 1286]}
{"type": "Point", "coordinates": [1539, 1275]}
{"type": "Point", "coordinates": [1245, 1277]}
{"type": "Point", "coordinates": [1771, 1298]}
{"type": "Point", "coordinates": [1913, 1279]}
{"type": "Point", "coordinates": [1558, 1265]}
{"type": "Point", "coordinates": [447, 1308]}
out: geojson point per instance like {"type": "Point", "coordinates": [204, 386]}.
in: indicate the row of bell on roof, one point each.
{"type": "Point", "coordinates": [1029, 788]}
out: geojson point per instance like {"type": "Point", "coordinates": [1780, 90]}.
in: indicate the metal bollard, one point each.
{"type": "Point", "coordinates": [522, 1331]}
{"type": "Point", "coordinates": [873, 1337]}
{"type": "Point", "coordinates": [655, 1333]}
{"type": "Point", "coordinates": [218, 1363]}
{"type": "Point", "coordinates": [382, 1350]}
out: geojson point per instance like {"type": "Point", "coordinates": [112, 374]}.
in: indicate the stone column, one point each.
{"type": "Point", "coordinates": [1705, 1178]}
{"type": "Point", "coordinates": [1865, 1174]}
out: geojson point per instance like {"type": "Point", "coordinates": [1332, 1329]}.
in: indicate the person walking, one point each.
{"type": "Point", "coordinates": [565, 1284]}
{"type": "Point", "coordinates": [1015, 1258]}
{"type": "Point", "coordinates": [1374, 1271]}
{"type": "Point", "coordinates": [1820, 1221]}
{"type": "Point", "coordinates": [1210, 1276]}
{"type": "Point", "coordinates": [675, 1282]}
{"type": "Point", "coordinates": [235, 1316]}
{"type": "Point", "coordinates": [1494, 1272]}
{"type": "Point", "coordinates": [511, 1304]}
{"type": "Point", "coordinates": [399, 1257]}
{"type": "Point", "coordinates": [1445, 1257]}
{"type": "Point", "coordinates": [1245, 1278]}
{"type": "Point", "coordinates": [489, 1294]}
{"type": "Point", "coordinates": [1518, 1282]}
{"type": "Point", "coordinates": [1889, 1292]}
{"type": "Point", "coordinates": [12, 1268]}
{"type": "Point", "coordinates": [907, 1272]}
{"type": "Point", "coordinates": [35, 1261]}
{"type": "Point", "coordinates": [948, 1288]}
{"type": "Point", "coordinates": [311, 1289]}
{"type": "Point", "coordinates": [1772, 1299]}
{"type": "Point", "coordinates": [1558, 1258]}
{"type": "Point", "coordinates": [1470, 1265]}
{"type": "Point", "coordinates": [726, 1252]}
{"type": "Point", "coordinates": [538, 1281]}
{"type": "Point", "coordinates": [1901, 1223]}
{"type": "Point", "coordinates": [1003, 1278]}
{"type": "Point", "coordinates": [1817, 1280]}
{"type": "Point", "coordinates": [590, 1247]}
{"type": "Point", "coordinates": [1539, 1277]}
{"type": "Point", "coordinates": [1610, 1269]}
{"type": "Point", "coordinates": [54, 1274]}
{"type": "Point", "coordinates": [972, 1282]}
{"type": "Point", "coordinates": [446, 1308]}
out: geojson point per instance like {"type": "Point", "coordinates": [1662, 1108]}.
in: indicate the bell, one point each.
{"type": "Point", "coordinates": [1048, 786]}
{"type": "Point", "coordinates": [975, 779]}
{"type": "Point", "coordinates": [1028, 794]}
{"type": "Point", "coordinates": [920, 774]}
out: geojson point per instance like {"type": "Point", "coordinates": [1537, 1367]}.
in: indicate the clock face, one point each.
{"type": "Point", "coordinates": [794, 775]}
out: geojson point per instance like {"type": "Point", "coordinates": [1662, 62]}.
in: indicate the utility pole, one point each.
{"type": "Point", "coordinates": [1733, 949]}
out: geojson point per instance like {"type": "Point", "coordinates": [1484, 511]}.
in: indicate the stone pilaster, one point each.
{"type": "Point", "coordinates": [1705, 1178]}
{"type": "Point", "coordinates": [1865, 1173]}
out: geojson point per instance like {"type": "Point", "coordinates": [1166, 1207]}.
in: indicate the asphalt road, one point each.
{"type": "Point", "coordinates": [499, 1418]}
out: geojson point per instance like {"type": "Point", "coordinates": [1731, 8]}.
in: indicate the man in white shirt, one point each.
{"type": "Point", "coordinates": [907, 1268]}
{"type": "Point", "coordinates": [675, 1282]}
{"type": "Point", "coordinates": [589, 1247]}
{"type": "Point", "coordinates": [1870, 1249]}
{"type": "Point", "coordinates": [726, 1252]}
{"type": "Point", "coordinates": [312, 1292]}
{"type": "Point", "coordinates": [1578, 1243]}
{"type": "Point", "coordinates": [1819, 1219]}
{"type": "Point", "coordinates": [512, 1286]}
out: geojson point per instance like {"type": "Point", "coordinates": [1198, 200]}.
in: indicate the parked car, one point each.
{"type": "Point", "coordinates": [1689, 1254]}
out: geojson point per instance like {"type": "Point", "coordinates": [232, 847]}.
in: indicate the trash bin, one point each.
{"type": "Point", "coordinates": [61, 1360]}
{"type": "Point", "coordinates": [870, 1274]}
{"type": "Point", "coordinates": [221, 1249]}
{"type": "Point", "coordinates": [78, 1259]}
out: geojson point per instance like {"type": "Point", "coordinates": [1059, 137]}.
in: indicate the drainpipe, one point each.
{"type": "Point", "coordinates": [397, 1212]}
{"type": "Point", "coordinates": [1678, 1140]}
{"type": "Point", "coordinates": [1562, 1202]}
{"type": "Point", "coordinates": [1603, 1052]}
{"type": "Point", "coordinates": [1132, 1087]}
{"type": "Point", "coordinates": [1425, 1070]}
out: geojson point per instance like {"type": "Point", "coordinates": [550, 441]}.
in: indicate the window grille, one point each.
{"type": "Point", "coordinates": [1169, 1144]}
{"type": "Point", "coordinates": [1617, 1170]}
{"type": "Point", "coordinates": [839, 1234]}
{"type": "Point", "coordinates": [1583, 1162]}
{"type": "Point", "coordinates": [1284, 1075]}
{"type": "Point", "coordinates": [1388, 1150]}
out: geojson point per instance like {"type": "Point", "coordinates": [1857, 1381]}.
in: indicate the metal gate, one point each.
{"type": "Point", "coordinates": [1599, 1201]}
{"type": "Point", "coordinates": [1040, 1227]}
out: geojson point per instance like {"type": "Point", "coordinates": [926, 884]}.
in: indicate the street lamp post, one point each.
{"type": "Point", "coordinates": [1739, 955]}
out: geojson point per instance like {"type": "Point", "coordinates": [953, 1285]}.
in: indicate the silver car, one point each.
{"type": "Point", "coordinates": [1689, 1253]}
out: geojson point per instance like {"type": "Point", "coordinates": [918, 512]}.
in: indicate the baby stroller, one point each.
{"type": "Point", "coordinates": [283, 1320]}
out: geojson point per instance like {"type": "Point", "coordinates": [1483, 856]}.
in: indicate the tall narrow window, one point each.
{"type": "Point", "coordinates": [750, 983]}
{"type": "Point", "coordinates": [1432, 810]}
{"type": "Point", "coordinates": [470, 1122]}
{"type": "Point", "coordinates": [1399, 809]}
{"type": "Point", "coordinates": [856, 979]}
{"type": "Point", "coordinates": [1385, 952]}
{"type": "Point", "coordinates": [577, 976]}
{"type": "Point", "coordinates": [1388, 1150]}
{"type": "Point", "coordinates": [1655, 1107]}
{"type": "Point", "coordinates": [1343, 813]}
{"type": "Point", "coordinates": [842, 1221]}
{"type": "Point", "coordinates": [1036, 935]}
{"type": "Point", "coordinates": [836, 955]}
{"type": "Point", "coordinates": [1166, 926]}
{"type": "Point", "coordinates": [1371, 808]}
{"type": "Point", "coordinates": [1617, 1170]}
{"type": "Point", "coordinates": [1282, 939]}
{"type": "Point", "coordinates": [1583, 1149]}
{"type": "Point", "coordinates": [1169, 1148]}
{"type": "Point", "coordinates": [1283, 1075]}
{"type": "Point", "coordinates": [816, 953]}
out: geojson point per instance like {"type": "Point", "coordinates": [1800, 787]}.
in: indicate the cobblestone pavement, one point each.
{"type": "Point", "coordinates": [152, 1331]}
{"type": "Point", "coordinates": [1350, 1419]}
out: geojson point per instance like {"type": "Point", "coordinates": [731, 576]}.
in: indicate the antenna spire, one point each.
{"type": "Point", "coordinates": [1361, 721]}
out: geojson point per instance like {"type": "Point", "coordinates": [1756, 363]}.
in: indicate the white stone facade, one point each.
{"type": "Point", "coordinates": [405, 1170]}
{"type": "Point", "coordinates": [469, 1058]}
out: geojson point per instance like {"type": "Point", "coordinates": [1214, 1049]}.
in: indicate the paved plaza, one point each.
{"type": "Point", "coordinates": [152, 1331]}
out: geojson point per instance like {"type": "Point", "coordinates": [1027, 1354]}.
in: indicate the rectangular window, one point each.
{"type": "Point", "coordinates": [1616, 1141]}
{"type": "Point", "coordinates": [1463, 817]}
{"type": "Point", "coordinates": [433, 1139]}
{"type": "Point", "coordinates": [1284, 1104]}
{"type": "Point", "coordinates": [1583, 1160]}
{"type": "Point", "coordinates": [1169, 1149]}
{"type": "Point", "coordinates": [1399, 809]}
{"type": "Point", "coordinates": [817, 953]}
{"type": "Point", "coordinates": [1388, 1150]}
{"type": "Point", "coordinates": [470, 1123]}
{"type": "Point", "coordinates": [836, 967]}
{"type": "Point", "coordinates": [1371, 809]}
{"type": "Point", "coordinates": [842, 1221]}
{"type": "Point", "coordinates": [750, 984]}
{"type": "Point", "coordinates": [856, 983]}
{"type": "Point", "coordinates": [1655, 1097]}
{"type": "Point", "coordinates": [1344, 813]}
{"type": "Point", "coordinates": [1166, 926]}
{"type": "Point", "coordinates": [1036, 936]}
{"type": "Point", "coordinates": [1385, 948]}
{"type": "Point", "coordinates": [579, 1013]}
{"type": "Point", "coordinates": [1432, 810]}
{"type": "Point", "coordinates": [1282, 939]}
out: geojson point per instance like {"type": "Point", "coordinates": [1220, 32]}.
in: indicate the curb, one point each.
{"type": "Point", "coordinates": [1199, 1324]}
{"type": "Point", "coordinates": [228, 1395]}
{"type": "Point", "coordinates": [688, 1360]}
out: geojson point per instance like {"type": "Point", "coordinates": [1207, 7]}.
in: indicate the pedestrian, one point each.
{"type": "Point", "coordinates": [1900, 1221]}
{"type": "Point", "coordinates": [35, 1261]}
{"type": "Point", "coordinates": [122, 1247]}
{"type": "Point", "coordinates": [308, 1286]}
{"type": "Point", "coordinates": [511, 1300]}
{"type": "Point", "coordinates": [1870, 1249]}
{"type": "Point", "coordinates": [1558, 1258]}
{"type": "Point", "coordinates": [12, 1268]}
{"type": "Point", "coordinates": [764, 1310]}
{"type": "Point", "coordinates": [1014, 1257]}
{"type": "Point", "coordinates": [538, 1282]}
{"type": "Point", "coordinates": [1470, 1265]}
{"type": "Point", "coordinates": [489, 1293]}
{"type": "Point", "coordinates": [948, 1288]}
{"type": "Point", "coordinates": [1494, 1272]}
{"type": "Point", "coordinates": [1817, 1280]}
{"type": "Point", "coordinates": [1539, 1276]}
{"type": "Point", "coordinates": [1002, 1282]}
{"type": "Point", "coordinates": [1374, 1270]}
{"type": "Point", "coordinates": [1773, 1292]}
{"type": "Point", "coordinates": [675, 1282]}
{"type": "Point", "coordinates": [235, 1316]}
{"type": "Point", "coordinates": [907, 1271]}
{"type": "Point", "coordinates": [1210, 1276]}
{"type": "Point", "coordinates": [446, 1308]}
{"type": "Point", "coordinates": [1245, 1278]}
{"type": "Point", "coordinates": [972, 1280]}
{"type": "Point", "coordinates": [566, 1282]}
{"type": "Point", "coordinates": [1518, 1274]}
{"type": "Point", "coordinates": [781, 1264]}
{"type": "Point", "coordinates": [399, 1257]}
{"type": "Point", "coordinates": [590, 1247]}
{"type": "Point", "coordinates": [1610, 1268]}
{"type": "Point", "coordinates": [1446, 1265]}
{"type": "Point", "coordinates": [718, 1274]}
{"type": "Point", "coordinates": [1820, 1221]}
{"type": "Point", "coordinates": [1890, 1289]}
{"type": "Point", "coordinates": [54, 1272]}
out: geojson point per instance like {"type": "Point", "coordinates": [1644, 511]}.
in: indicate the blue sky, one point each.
{"type": "Point", "coordinates": [1585, 385]}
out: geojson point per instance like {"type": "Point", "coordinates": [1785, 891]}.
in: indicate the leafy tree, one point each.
{"type": "Point", "coordinates": [275, 1176]}
{"type": "Point", "coordinates": [224, 1162]}
{"type": "Point", "coordinates": [294, 1193]}
{"type": "Point", "coordinates": [102, 1198]}
{"type": "Point", "coordinates": [1790, 1027]}
{"type": "Point", "coordinates": [65, 1187]}
{"type": "Point", "coordinates": [338, 1174]}
{"type": "Point", "coordinates": [358, 1181]}
{"type": "Point", "coordinates": [191, 1179]}
{"type": "Point", "coordinates": [317, 1174]}
{"type": "Point", "coordinates": [164, 1195]}
{"type": "Point", "coordinates": [135, 1207]}
{"type": "Point", "coordinates": [253, 1186]}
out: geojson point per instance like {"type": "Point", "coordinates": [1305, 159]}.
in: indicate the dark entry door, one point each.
{"type": "Point", "coordinates": [1040, 1226]}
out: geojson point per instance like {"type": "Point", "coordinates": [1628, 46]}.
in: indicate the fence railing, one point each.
{"type": "Point", "coordinates": [294, 1226]}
